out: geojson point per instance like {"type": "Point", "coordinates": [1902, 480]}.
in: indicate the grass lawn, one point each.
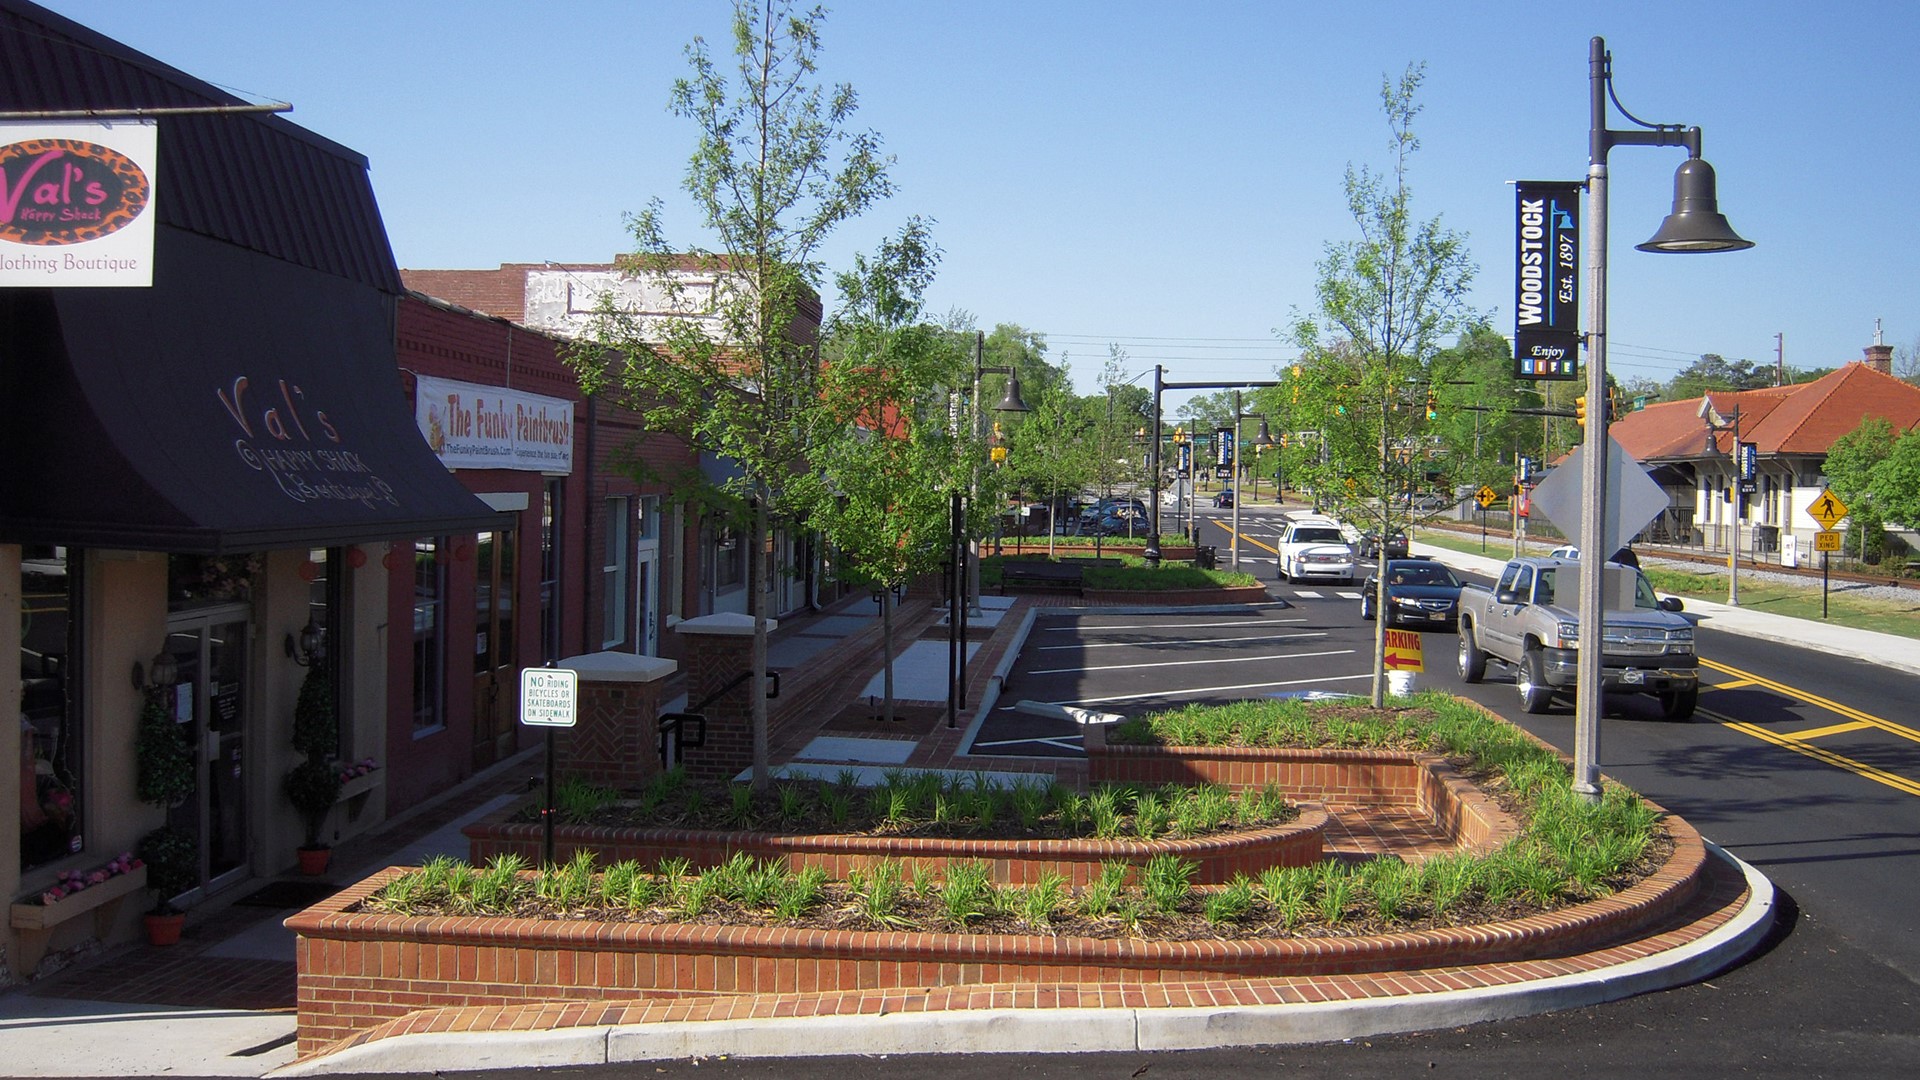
{"type": "Point", "coordinates": [1135, 576]}
{"type": "Point", "coordinates": [1773, 597]}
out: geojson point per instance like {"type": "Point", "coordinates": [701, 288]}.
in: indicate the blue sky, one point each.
{"type": "Point", "coordinates": [1161, 175]}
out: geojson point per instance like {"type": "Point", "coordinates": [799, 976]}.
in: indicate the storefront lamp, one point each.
{"type": "Point", "coordinates": [162, 671]}
{"type": "Point", "coordinates": [310, 647]}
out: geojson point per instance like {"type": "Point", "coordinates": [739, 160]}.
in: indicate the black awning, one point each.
{"type": "Point", "coordinates": [240, 403]}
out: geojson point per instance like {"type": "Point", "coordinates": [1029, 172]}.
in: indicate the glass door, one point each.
{"type": "Point", "coordinates": [209, 699]}
{"type": "Point", "coordinates": [496, 661]}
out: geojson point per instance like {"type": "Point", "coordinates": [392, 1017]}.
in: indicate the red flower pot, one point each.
{"type": "Point", "coordinates": [165, 929]}
{"type": "Point", "coordinates": [313, 861]}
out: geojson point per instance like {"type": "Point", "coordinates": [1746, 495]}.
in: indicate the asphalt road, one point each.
{"type": "Point", "coordinates": [1833, 817]}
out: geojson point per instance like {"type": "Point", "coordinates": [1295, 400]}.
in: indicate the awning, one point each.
{"type": "Point", "coordinates": [240, 403]}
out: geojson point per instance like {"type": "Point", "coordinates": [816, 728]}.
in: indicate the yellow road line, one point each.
{"type": "Point", "coordinates": [1832, 729]}
{"type": "Point", "coordinates": [1828, 704]}
{"type": "Point", "coordinates": [1821, 754]}
{"type": "Point", "coordinates": [1734, 685]}
{"type": "Point", "coordinates": [1229, 531]}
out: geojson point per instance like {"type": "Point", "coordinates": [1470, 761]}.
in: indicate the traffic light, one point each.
{"type": "Point", "coordinates": [1433, 410]}
{"type": "Point", "coordinates": [1580, 410]}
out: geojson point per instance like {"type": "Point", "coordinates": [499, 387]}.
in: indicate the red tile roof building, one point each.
{"type": "Point", "coordinates": [1790, 427]}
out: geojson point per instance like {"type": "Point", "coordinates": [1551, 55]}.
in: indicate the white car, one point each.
{"type": "Point", "coordinates": [1315, 548]}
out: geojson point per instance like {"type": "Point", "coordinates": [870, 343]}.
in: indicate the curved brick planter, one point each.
{"type": "Point", "coordinates": [1339, 778]}
{"type": "Point", "coordinates": [1013, 862]}
{"type": "Point", "coordinates": [356, 971]}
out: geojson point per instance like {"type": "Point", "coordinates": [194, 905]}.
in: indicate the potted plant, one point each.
{"type": "Point", "coordinates": [171, 855]}
{"type": "Point", "coordinates": [163, 759]}
{"type": "Point", "coordinates": [313, 787]}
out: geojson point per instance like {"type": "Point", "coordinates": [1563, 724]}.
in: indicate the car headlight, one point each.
{"type": "Point", "coordinates": [1685, 635]}
{"type": "Point", "coordinates": [1568, 635]}
{"type": "Point", "coordinates": [1406, 601]}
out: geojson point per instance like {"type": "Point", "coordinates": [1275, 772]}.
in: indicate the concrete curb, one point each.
{"type": "Point", "coordinates": [1067, 1030]}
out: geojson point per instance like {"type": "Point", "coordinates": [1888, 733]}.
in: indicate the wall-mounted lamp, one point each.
{"type": "Point", "coordinates": [162, 671]}
{"type": "Point", "coordinates": [311, 646]}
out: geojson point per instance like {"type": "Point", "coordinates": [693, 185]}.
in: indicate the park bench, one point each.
{"type": "Point", "coordinates": [1039, 575]}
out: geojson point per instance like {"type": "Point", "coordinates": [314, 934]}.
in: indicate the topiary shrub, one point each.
{"type": "Point", "coordinates": [163, 759]}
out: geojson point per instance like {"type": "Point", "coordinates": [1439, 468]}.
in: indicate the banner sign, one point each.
{"type": "Point", "coordinates": [1223, 447]}
{"type": "Point", "coordinates": [76, 204]}
{"type": "Point", "coordinates": [1546, 305]}
{"type": "Point", "coordinates": [491, 427]}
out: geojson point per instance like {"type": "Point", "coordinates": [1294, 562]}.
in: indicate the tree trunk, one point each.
{"type": "Point", "coordinates": [757, 609]}
{"type": "Point", "coordinates": [886, 644]}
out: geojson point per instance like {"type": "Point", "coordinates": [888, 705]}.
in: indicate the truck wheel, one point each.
{"type": "Point", "coordinates": [1473, 662]}
{"type": "Point", "coordinates": [1535, 694]}
{"type": "Point", "coordinates": [1679, 704]}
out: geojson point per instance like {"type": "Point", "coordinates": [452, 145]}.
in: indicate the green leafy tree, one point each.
{"type": "Point", "coordinates": [775, 170]}
{"type": "Point", "coordinates": [1385, 301]}
{"type": "Point", "coordinates": [881, 498]}
{"type": "Point", "coordinates": [1854, 469]}
{"type": "Point", "coordinates": [1714, 372]}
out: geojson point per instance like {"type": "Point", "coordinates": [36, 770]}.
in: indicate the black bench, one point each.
{"type": "Point", "coordinates": [1039, 575]}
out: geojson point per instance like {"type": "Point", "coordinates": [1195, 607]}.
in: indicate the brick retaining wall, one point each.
{"type": "Point", "coordinates": [1012, 862]}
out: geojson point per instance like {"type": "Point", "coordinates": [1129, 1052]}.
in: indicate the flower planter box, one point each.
{"type": "Point", "coordinates": [359, 970]}
{"type": "Point", "coordinates": [35, 923]}
{"type": "Point", "coordinates": [1013, 862]}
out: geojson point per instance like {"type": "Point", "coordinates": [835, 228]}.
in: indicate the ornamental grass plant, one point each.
{"type": "Point", "coordinates": [1568, 849]}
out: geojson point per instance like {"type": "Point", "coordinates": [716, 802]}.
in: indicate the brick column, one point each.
{"type": "Point", "coordinates": [719, 649]}
{"type": "Point", "coordinates": [615, 739]}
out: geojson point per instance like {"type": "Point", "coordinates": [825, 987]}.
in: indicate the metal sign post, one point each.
{"type": "Point", "coordinates": [1828, 511]}
{"type": "Point", "coordinates": [549, 698]}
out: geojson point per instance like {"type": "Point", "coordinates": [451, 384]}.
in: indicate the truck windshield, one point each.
{"type": "Point", "coordinates": [1643, 592]}
{"type": "Point", "coordinates": [1318, 536]}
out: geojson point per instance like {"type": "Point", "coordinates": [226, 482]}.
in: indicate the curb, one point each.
{"type": "Point", "coordinates": [1067, 1030]}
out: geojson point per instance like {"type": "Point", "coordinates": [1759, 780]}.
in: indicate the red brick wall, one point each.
{"type": "Point", "coordinates": [358, 970]}
{"type": "Point", "coordinates": [1015, 862]}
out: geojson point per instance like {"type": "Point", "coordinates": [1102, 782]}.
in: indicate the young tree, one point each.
{"type": "Point", "coordinates": [1854, 467]}
{"type": "Point", "coordinates": [881, 498]}
{"type": "Point", "coordinates": [1385, 302]}
{"type": "Point", "coordinates": [775, 170]}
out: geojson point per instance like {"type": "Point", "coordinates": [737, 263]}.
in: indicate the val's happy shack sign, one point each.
{"type": "Point", "coordinates": [76, 204]}
{"type": "Point", "coordinates": [490, 427]}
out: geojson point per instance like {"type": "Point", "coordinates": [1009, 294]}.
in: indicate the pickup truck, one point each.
{"type": "Point", "coordinates": [1528, 622]}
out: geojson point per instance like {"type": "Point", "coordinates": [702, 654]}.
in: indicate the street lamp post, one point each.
{"type": "Point", "coordinates": [1009, 402]}
{"type": "Point", "coordinates": [1695, 225]}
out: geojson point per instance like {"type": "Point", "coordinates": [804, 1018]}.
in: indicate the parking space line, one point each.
{"type": "Point", "coordinates": [1193, 663]}
{"type": "Point", "coordinates": [1164, 625]}
{"type": "Point", "coordinates": [1182, 641]}
{"type": "Point", "coordinates": [1201, 690]}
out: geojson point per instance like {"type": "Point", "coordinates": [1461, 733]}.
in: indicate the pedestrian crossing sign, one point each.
{"type": "Point", "coordinates": [1827, 510]}
{"type": "Point", "coordinates": [1825, 540]}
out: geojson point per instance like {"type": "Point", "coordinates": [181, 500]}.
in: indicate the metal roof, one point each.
{"type": "Point", "coordinates": [256, 181]}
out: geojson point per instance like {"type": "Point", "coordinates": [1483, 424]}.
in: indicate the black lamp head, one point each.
{"type": "Point", "coordinates": [1696, 224]}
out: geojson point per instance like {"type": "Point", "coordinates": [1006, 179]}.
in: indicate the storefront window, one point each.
{"type": "Point", "coordinates": [613, 574]}
{"type": "Point", "coordinates": [429, 605]}
{"type": "Point", "coordinates": [199, 580]}
{"type": "Point", "coordinates": [550, 572]}
{"type": "Point", "coordinates": [326, 599]}
{"type": "Point", "coordinates": [52, 756]}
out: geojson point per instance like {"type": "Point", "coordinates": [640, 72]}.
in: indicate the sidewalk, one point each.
{"type": "Point", "coordinates": [221, 1003]}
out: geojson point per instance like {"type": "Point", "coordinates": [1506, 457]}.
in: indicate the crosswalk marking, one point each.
{"type": "Point", "coordinates": [1310, 595]}
{"type": "Point", "coordinates": [1349, 596]}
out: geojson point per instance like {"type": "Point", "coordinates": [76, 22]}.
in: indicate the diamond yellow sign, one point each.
{"type": "Point", "coordinates": [1486, 496]}
{"type": "Point", "coordinates": [1827, 541]}
{"type": "Point", "coordinates": [1827, 510]}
